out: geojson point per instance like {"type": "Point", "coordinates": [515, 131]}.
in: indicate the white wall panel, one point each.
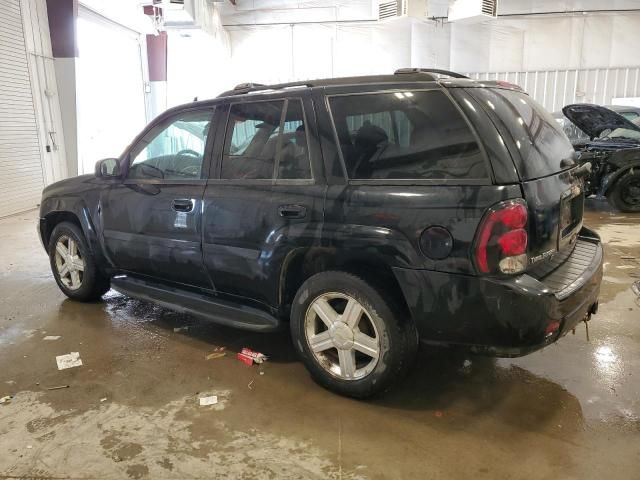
{"type": "Point", "coordinates": [557, 88]}
{"type": "Point", "coordinates": [546, 43]}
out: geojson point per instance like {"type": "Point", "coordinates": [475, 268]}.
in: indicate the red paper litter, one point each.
{"type": "Point", "coordinates": [250, 357]}
{"type": "Point", "coordinates": [244, 359]}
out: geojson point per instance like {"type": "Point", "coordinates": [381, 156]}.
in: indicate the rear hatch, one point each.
{"type": "Point", "coordinates": [542, 155]}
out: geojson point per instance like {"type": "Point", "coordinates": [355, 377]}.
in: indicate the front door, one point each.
{"type": "Point", "coordinates": [152, 220]}
{"type": "Point", "coordinates": [266, 206]}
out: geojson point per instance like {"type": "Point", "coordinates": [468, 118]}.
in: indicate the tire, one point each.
{"type": "Point", "coordinates": [625, 193]}
{"type": "Point", "coordinates": [92, 282]}
{"type": "Point", "coordinates": [340, 363]}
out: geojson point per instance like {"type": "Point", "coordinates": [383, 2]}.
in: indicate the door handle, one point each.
{"type": "Point", "coordinates": [182, 205]}
{"type": "Point", "coordinates": [292, 211]}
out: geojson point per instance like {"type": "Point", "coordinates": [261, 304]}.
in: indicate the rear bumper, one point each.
{"type": "Point", "coordinates": [506, 317]}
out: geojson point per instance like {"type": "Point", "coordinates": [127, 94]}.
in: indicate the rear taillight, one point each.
{"type": "Point", "coordinates": [501, 241]}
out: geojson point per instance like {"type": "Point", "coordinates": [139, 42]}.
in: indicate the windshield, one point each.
{"type": "Point", "coordinates": [538, 137]}
{"type": "Point", "coordinates": [621, 133]}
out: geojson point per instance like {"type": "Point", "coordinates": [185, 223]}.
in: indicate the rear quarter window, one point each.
{"type": "Point", "coordinates": [539, 139]}
{"type": "Point", "coordinates": [405, 135]}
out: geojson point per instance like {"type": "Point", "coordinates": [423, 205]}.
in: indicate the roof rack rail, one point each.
{"type": "Point", "coordinates": [429, 70]}
{"type": "Point", "coordinates": [243, 88]}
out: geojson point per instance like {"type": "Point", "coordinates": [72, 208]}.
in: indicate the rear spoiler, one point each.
{"type": "Point", "coordinates": [501, 84]}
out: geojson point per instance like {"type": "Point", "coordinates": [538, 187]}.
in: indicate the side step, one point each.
{"type": "Point", "coordinates": [210, 308]}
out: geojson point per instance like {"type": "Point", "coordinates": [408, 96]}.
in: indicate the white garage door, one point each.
{"type": "Point", "coordinates": [21, 179]}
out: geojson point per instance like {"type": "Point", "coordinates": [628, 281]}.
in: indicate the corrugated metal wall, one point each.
{"type": "Point", "coordinates": [557, 88]}
{"type": "Point", "coordinates": [21, 173]}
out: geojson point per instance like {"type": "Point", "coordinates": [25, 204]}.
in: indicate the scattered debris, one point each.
{"type": "Point", "coordinates": [29, 446]}
{"type": "Point", "coordinates": [250, 357]}
{"type": "Point", "coordinates": [5, 399]}
{"type": "Point", "coordinates": [104, 399]}
{"type": "Point", "coordinates": [218, 352]}
{"type": "Point", "coordinates": [261, 372]}
{"type": "Point", "coordinates": [59, 387]}
{"type": "Point", "coordinates": [439, 414]}
{"type": "Point", "coordinates": [181, 329]}
{"type": "Point", "coordinates": [634, 275]}
{"type": "Point", "coordinates": [52, 337]}
{"type": "Point", "coordinates": [466, 364]}
{"type": "Point", "coordinates": [250, 385]}
{"type": "Point", "coordinates": [69, 360]}
{"type": "Point", "coordinates": [626, 257]}
{"type": "Point", "coordinates": [635, 287]}
{"type": "Point", "coordinates": [212, 400]}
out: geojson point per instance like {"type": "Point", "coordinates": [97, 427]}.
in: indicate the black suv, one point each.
{"type": "Point", "coordinates": [368, 213]}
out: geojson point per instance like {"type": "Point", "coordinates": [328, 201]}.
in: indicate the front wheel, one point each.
{"type": "Point", "coordinates": [74, 266]}
{"type": "Point", "coordinates": [350, 339]}
{"type": "Point", "coordinates": [625, 193]}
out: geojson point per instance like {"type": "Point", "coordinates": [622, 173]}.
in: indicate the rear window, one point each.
{"type": "Point", "coordinates": [405, 135]}
{"type": "Point", "coordinates": [540, 139]}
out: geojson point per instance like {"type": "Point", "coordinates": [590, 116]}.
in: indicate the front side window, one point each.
{"type": "Point", "coordinates": [266, 140]}
{"type": "Point", "coordinates": [173, 150]}
{"type": "Point", "coordinates": [405, 135]}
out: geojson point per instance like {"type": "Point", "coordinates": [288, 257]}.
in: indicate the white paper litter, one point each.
{"type": "Point", "coordinates": [69, 360]}
{"type": "Point", "coordinates": [51, 337]}
{"type": "Point", "coordinates": [212, 400]}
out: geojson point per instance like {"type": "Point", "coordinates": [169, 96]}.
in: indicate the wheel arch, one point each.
{"type": "Point", "coordinates": [373, 269]}
{"type": "Point", "coordinates": [612, 179]}
{"type": "Point", "coordinates": [53, 219]}
{"type": "Point", "coordinates": [73, 210]}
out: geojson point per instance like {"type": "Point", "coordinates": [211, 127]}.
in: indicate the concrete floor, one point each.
{"type": "Point", "coordinates": [571, 411]}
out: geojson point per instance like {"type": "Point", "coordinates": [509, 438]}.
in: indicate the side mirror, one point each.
{"type": "Point", "coordinates": [108, 167]}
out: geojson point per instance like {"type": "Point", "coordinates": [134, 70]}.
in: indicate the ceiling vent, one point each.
{"type": "Point", "coordinates": [393, 9]}
{"type": "Point", "coordinates": [472, 11]}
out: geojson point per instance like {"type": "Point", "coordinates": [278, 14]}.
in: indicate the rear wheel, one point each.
{"type": "Point", "coordinates": [625, 193]}
{"type": "Point", "coordinates": [350, 339]}
{"type": "Point", "coordinates": [73, 264]}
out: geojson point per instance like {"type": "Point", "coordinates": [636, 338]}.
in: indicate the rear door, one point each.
{"type": "Point", "coordinates": [409, 161]}
{"type": "Point", "coordinates": [266, 204]}
{"type": "Point", "coordinates": [152, 219]}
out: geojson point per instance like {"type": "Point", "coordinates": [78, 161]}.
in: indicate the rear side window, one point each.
{"type": "Point", "coordinates": [266, 140]}
{"type": "Point", "coordinates": [539, 138]}
{"type": "Point", "coordinates": [405, 135]}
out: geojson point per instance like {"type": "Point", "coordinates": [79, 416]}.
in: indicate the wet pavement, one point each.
{"type": "Point", "coordinates": [571, 411]}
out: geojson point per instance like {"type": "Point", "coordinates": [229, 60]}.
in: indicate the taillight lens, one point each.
{"type": "Point", "coordinates": [501, 242]}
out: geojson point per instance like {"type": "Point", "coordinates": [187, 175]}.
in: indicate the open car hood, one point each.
{"type": "Point", "coordinates": [594, 119]}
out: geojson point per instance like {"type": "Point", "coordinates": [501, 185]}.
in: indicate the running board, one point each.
{"type": "Point", "coordinates": [208, 307]}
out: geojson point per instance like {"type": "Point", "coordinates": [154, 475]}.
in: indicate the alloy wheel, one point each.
{"type": "Point", "coordinates": [342, 336]}
{"type": "Point", "coordinates": [69, 262]}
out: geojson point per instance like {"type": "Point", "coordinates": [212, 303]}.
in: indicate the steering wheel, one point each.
{"type": "Point", "coordinates": [192, 170]}
{"type": "Point", "coordinates": [188, 151]}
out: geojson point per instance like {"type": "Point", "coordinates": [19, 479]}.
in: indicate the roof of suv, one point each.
{"type": "Point", "coordinates": [401, 75]}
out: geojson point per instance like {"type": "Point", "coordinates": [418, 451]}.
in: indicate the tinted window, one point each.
{"type": "Point", "coordinates": [262, 142]}
{"type": "Point", "coordinates": [539, 138]}
{"type": "Point", "coordinates": [405, 135]}
{"type": "Point", "coordinates": [173, 150]}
